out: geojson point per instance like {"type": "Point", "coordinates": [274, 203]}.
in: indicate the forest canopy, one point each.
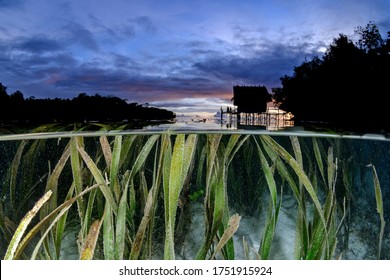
{"type": "Point", "coordinates": [346, 87]}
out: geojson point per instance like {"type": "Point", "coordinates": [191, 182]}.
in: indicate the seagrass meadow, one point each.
{"type": "Point", "coordinates": [194, 195]}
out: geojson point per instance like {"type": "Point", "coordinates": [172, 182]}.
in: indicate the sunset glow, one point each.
{"type": "Point", "coordinates": [184, 56]}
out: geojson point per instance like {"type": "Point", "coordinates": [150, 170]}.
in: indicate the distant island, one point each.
{"type": "Point", "coordinates": [15, 109]}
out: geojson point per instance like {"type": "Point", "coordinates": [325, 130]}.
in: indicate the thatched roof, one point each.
{"type": "Point", "coordinates": [250, 99]}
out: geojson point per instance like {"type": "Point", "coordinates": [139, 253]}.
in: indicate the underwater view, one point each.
{"type": "Point", "coordinates": [171, 194]}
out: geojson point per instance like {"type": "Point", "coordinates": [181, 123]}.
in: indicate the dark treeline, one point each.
{"type": "Point", "coordinates": [15, 108]}
{"type": "Point", "coordinates": [347, 87]}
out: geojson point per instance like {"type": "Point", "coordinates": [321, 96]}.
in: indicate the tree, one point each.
{"type": "Point", "coordinates": [277, 95]}
{"type": "Point", "coordinates": [344, 87]}
{"type": "Point", "coordinates": [3, 92]}
{"type": "Point", "coordinates": [17, 97]}
{"type": "Point", "coordinates": [370, 37]}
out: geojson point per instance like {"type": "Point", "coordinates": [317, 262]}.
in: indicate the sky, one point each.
{"type": "Point", "coordinates": [184, 56]}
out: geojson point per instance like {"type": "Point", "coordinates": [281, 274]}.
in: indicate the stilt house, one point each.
{"type": "Point", "coordinates": [250, 99]}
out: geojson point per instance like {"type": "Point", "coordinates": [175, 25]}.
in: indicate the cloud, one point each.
{"type": "Point", "coordinates": [30, 60]}
{"type": "Point", "coordinates": [133, 27]}
{"type": "Point", "coordinates": [203, 105]}
{"type": "Point", "coordinates": [145, 24]}
{"type": "Point", "coordinates": [150, 51]}
{"type": "Point", "coordinates": [256, 65]}
{"type": "Point", "coordinates": [10, 3]}
{"type": "Point", "coordinates": [199, 71]}
{"type": "Point", "coordinates": [124, 62]}
{"type": "Point", "coordinates": [80, 35]}
{"type": "Point", "coordinates": [141, 87]}
{"type": "Point", "coordinates": [38, 44]}
{"type": "Point", "coordinates": [189, 102]}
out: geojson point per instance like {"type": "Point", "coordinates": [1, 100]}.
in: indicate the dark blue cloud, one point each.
{"type": "Point", "coordinates": [255, 66]}
{"type": "Point", "coordinates": [38, 44]}
{"type": "Point", "coordinates": [10, 3]}
{"type": "Point", "coordinates": [200, 72]}
{"type": "Point", "coordinates": [78, 34]}
{"type": "Point", "coordinates": [111, 81]}
{"type": "Point", "coordinates": [137, 26]}
{"type": "Point", "coordinates": [145, 23]}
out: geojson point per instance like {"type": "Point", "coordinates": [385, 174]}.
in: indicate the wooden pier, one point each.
{"type": "Point", "coordinates": [253, 108]}
{"type": "Point", "coordinates": [269, 120]}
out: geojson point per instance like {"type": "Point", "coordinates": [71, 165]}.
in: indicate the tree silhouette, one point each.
{"type": "Point", "coordinates": [346, 87]}
{"type": "Point", "coordinates": [370, 37]}
{"type": "Point", "coordinates": [83, 108]}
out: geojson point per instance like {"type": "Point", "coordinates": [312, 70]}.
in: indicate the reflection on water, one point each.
{"type": "Point", "coordinates": [268, 121]}
{"type": "Point", "coordinates": [261, 121]}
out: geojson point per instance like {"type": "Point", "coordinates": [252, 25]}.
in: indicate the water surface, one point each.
{"type": "Point", "coordinates": [28, 160]}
